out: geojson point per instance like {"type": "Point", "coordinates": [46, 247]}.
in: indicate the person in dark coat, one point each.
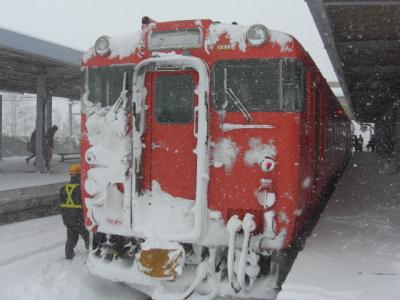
{"type": "Point", "coordinates": [360, 143]}
{"type": "Point", "coordinates": [372, 143]}
{"type": "Point", "coordinates": [71, 211]}
{"type": "Point", "coordinates": [354, 142]}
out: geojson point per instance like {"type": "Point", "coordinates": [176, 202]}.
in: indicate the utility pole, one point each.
{"type": "Point", "coordinates": [40, 115]}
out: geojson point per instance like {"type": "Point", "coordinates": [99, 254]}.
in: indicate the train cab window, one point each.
{"type": "Point", "coordinates": [259, 85]}
{"type": "Point", "coordinates": [105, 84]}
{"type": "Point", "coordinates": [174, 98]}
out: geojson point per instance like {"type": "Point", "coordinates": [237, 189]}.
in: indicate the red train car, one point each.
{"type": "Point", "coordinates": [206, 148]}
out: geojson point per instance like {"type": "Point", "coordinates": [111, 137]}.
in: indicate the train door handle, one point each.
{"type": "Point", "coordinates": [155, 146]}
{"type": "Point", "coordinates": [195, 121]}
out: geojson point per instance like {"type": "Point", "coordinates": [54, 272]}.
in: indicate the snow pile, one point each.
{"type": "Point", "coordinates": [109, 160]}
{"type": "Point", "coordinates": [282, 39]}
{"type": "Point", "coordinates": [125, 45]}
{"type": "Point", "coordinates": [174, 214]}
{"type": "Point", "coordinates": [235, 33]}
{"type": "Point", "coordinates": [106, 130]}
{"type": "Point", "coordinates": [120, 46]}
{"type": "Point", "coordinates": [224, 153]}
{"type": "Point", "coordinates": [258, 151]}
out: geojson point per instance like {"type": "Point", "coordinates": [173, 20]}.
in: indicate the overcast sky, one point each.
{"type": "Point", "coordinates": [77, 23]}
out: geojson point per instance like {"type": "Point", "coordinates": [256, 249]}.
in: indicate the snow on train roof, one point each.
{"type": "Point", "coordinates": [237, 36]}
{"type": "Point", "coordinates": [123, 46]}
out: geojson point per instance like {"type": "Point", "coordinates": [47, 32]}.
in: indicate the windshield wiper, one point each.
{"type": "Point", "coordinates": [235, 100]}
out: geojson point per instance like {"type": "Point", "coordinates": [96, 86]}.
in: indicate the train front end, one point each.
{"type": "Point", "coordinates": [190, 153]}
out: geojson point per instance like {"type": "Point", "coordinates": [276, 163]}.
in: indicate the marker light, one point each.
{"type": "Point", "coordinates": [257, 35]}
{"type": "Point", "coordinates": [102, 46]}
{"type": "Point", "coordinates": [267, 164]}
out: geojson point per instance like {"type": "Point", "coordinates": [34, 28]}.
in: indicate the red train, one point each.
{"type": "Point", "coordinates": [206, 148]}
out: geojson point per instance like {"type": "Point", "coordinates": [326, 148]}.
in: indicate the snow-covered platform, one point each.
{"type": "Point", "coordinates": [26, 194]}
{"type": "Point", "coordinates": [16, 173]}
{"type": "Point", "coordinates": [354, 251]}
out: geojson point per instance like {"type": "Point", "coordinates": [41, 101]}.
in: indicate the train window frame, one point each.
{"type": "Point", "coordinates": [216, 104]}
{"type": "Point", "coordinates": [115, 75]}
{"type": "Point", "coordinates": [154, 100]}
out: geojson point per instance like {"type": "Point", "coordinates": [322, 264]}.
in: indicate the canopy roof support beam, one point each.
{"type": "Point", "coordinates": [362, 3]}
{"type": "Point", "coordinates": [318, 11]}
{"type": "Point", "coordinates": [1, 127]}
{"type": "Point", "coordinates": [49, 111]}
{"type": "Point", "coordinates": [41, 93]}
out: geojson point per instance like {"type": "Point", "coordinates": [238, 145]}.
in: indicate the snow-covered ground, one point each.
{"type": "Point", "coordinates": [15, 173]}
{"type": "Point", "coordinates": [354, 251]}
{"type": "Point", "coordinates": [33, 267]}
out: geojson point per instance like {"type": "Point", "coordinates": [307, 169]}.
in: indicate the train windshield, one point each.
{"type": "Point", "coordinates": [105, 84]}
{"type": "Point", "coordinates": [258, 85]}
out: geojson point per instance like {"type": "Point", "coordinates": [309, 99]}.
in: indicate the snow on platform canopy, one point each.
{"type": "Point", "coordinates": [24, 58]}
{"type": "Point", "coordinates": [354, 251]}
{"type": "Point", "coordinates": [364, 49]}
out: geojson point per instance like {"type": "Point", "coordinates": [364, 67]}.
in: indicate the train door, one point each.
{"type": "Point", "coordinates": [172, 116]}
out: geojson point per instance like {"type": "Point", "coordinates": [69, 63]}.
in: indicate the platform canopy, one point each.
{"type": "Point", "coordinates": [362, 39]}
{"type": "Point", "coordinates": [23, 59]}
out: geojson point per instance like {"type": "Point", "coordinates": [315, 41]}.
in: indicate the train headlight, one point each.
{"type": "Point", "coordinates": [102, 46]}
{"type": "Point", "coordinates": [267, 164]}
{"type": "Point", "coordinates": [257, 35]}
{"type": "Point", "coordinates": [265, 194]}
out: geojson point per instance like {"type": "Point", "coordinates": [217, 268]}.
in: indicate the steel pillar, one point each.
{"type": "Point", "coordinates": [396, 138]}
{"type": "Point", "coordinates": [1, 127]}
{"type": "Point", "coordinates": [70, 116]}
{"type": "Point", "coordinates": [41, 95]}
{"type": "Point", "coordinates": [49, 111]}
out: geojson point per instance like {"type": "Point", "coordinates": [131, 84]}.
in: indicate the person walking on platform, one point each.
{"type": "Point", "coordinates": [354, 143]}
{"type": "Point", "coordinates": [71, 211]}
{"type": "Point", "coordinates": [360, 143]}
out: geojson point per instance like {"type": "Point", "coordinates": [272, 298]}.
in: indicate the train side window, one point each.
{"type": "Point", "coordinates": [174, 100]}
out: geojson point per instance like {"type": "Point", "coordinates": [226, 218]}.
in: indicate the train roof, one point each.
{"type": "Point", "coordinates": [133, 44]}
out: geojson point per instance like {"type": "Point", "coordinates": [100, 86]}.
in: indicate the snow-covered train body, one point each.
{"type": "Point", "coordinates": [205, 149]}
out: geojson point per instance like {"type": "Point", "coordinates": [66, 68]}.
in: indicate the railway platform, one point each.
{"type": "Point", "coordinates": [354, 250]}
{"type": "Point", "coordinates": [26, 194]}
